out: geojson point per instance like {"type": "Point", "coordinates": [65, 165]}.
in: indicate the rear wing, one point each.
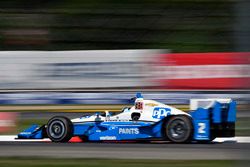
{"type": "Point", "coordinates": [205, 103]}
{"type": "Point", "coordinates": [213, 118]}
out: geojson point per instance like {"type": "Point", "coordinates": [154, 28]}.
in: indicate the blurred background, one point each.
{"type": "Point", "coordinates": [72, 57]}
{"type": "Point", "coordinates": [121, 46]}
{"type": "Point", "coordinates": [79, 56]}
{"type": "Point", "coordinates": [179, 25]}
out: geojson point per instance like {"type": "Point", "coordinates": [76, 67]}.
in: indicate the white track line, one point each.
{"type": "Point", "coordinates": [244, 139]}
{"type": "Point", "coordinates": [12, 138]}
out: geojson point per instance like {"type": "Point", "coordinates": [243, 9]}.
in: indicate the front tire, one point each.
{"type": "Point", "coordinates": [179, 129]}
{"type": "Point", "coordinates": [59, 129]}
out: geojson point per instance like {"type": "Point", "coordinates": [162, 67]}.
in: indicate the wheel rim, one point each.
{"type": "Point", "coordinates": [178, 129]}
{"type": "Point", "coordinates": [56, 129]}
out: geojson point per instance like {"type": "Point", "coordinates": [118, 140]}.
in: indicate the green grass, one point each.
{"type": "Point", "coordinates": [45, 162]}
{"type": "Point", "coordinates": [243, 126]}
{"type": "Point", "coordinates": [24, 124]}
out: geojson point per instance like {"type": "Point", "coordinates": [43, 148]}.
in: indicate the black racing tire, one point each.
{"type": "Point", "coordinates": [59, 129]}
{"type": "Point", "coordinates": [179, 129]}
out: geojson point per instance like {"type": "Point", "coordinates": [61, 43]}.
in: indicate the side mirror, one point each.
{"type": "Point", "coordinates": [107, 115]}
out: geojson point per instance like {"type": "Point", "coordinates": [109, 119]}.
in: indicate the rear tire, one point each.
{"type": "Point", "coordinates": [59, 129]}
{"type": "Point", "coordinates": [179, 129]}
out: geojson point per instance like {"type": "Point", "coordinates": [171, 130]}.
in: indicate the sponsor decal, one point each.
{"type": "Point", "coordinates": [203, 70]}
{"type": "Point", "coordinates": [201, 129]}
{"type": "Point", "coordinates": [160, 112]}
{"type": "Point", "coordinates": [26, 133]}
{"type": "Point", "coordinates": [139, 105]}
{"type": "Point", "coordinates": [126, 69]}
{"type": "Point", "coordinates": [95, 69]}
{"type": "Point", "coordinates": [108, 138]}
{"type": "Point", "coordinates": [129, 131]}
{"type": "Point", "coordinates": [117, 120]}
{"type": "Point", "coordinates": [151, 104]}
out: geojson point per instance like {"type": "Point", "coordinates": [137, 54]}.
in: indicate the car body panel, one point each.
{"type": "Point", "coordinates": [216, 121]}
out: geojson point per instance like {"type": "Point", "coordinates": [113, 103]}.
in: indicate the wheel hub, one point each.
{"type": "Point", "coordinates": [177, 129]}
{"type": "Point", "coordinates": [57, 129]}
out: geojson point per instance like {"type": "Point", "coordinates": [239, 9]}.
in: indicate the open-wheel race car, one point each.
{"type": "Point", "coordinates": [145, 120]}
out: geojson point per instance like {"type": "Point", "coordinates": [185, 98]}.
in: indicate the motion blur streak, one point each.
{"type": "Point", "coordinates": [74, 56]}
{"type": "Point", "coordinates": [75, 69]}
{"type": "Point", "coordinates": [204, 70]}
{"type": "Point", "coordinates": [226, 151]}
{"type": "Point", "coordinates": [123, 69]}
{"type": "Point", "coordinates": [7, 121]}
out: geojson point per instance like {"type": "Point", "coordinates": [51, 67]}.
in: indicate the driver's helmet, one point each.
{"type": "Point", "coordinates": [138, 101]}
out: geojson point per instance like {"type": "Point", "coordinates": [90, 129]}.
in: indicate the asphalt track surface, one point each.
{"type": "Point", "coordinates": [168, 151]}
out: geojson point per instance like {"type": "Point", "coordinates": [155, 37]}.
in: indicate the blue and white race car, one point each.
{"type": "Point", "coordinates": [145, 120]}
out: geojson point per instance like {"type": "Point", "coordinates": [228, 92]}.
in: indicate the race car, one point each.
{"type": "Point", "coordinates": [146, 120]}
